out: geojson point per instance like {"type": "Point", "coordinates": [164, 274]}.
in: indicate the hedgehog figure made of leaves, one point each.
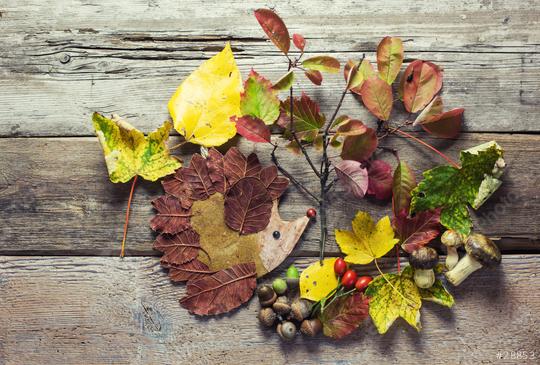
{"type": "Point", "coordinates": [220, 229]}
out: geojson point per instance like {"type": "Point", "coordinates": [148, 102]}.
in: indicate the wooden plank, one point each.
{"type": "Point", "coordinates": [55, 197]}
{"type": "Point", "coordinates": [89, 310]}
{"type": "Point", "coordinates": [58, 69]}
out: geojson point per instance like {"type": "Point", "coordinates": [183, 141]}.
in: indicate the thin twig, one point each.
{"type": "Point", "coordinates": [448, 159]}
{"type": "Point", "coordinates": [122, 250]}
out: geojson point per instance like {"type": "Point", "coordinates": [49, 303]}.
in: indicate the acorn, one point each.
{"type": "Point", "coordinates": [286, 330]}
{"type": "Point", "coordinates": [282, 306]}
{"type": "Point", "coordinates": [300, 309]}
{"type": "Point", "coordinates": [267, 317]}
{"type": "Point", "coordinates": [267, 295]}
{"type": "Point", "coordinates": [310, 327]}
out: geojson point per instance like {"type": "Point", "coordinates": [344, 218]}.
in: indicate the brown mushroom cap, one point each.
{"type": "Point", "coordinates": [424, 258]}
{"type": "Point", "coordinates": [451, 238]}
{"type": "Point", "coordinates": [483, 249]}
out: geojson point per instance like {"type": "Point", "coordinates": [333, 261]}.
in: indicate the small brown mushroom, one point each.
{"type": "Point", "coordinates": [267, 317]}
{"type": "Point", "coordinates": [452, 240]}
{"type": "Point", "coordinates": [423, 261]}
{"type": "Point", "coordinates": [286, 330]}
{"type": "Point", "coordinates": [311, 327]}
{"type": "Point", "coordinates": [267, 295]}
{"type": "Point", "coordinates": [481, 251]}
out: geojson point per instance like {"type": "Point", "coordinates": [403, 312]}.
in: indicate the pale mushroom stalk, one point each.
{"type": "Point", "coordinates": [452, 240]}
{"type": "Point", "coordinates": [423, 260]}
{"type": "Point", "coordinates": [481, 251]}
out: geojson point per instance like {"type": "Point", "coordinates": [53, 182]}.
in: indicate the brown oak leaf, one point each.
{"type": "Point", "coordinates": [196, 175]}
{"type": "Point", "coordinates": [179, 248]}
{"type": "Point", "coordinates": [171, 217]}
{"type": "Point", "coordinates": [221, 292]}
{"type": "Point", "coordinates": [191, 270]}
{"type": "Point", "coordinates": [214, 163]}
{"type": "Point", "coordinates": [276, 185]}
{"type": "Point", "coordinates": [237, 166]}
{"type": "Point", "coordinates": [344, 315]}
{"type": "Point", "coordinates": [248, 206]}
{"type": "Point", "coordinates": [174, 186]}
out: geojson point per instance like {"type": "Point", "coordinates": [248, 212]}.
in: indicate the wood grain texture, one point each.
{"type": "Point", "coordinates": [55, 196]}
{"type": "Point", "coordinates": [89, 310]}
{"type": "Point", "coordinates": [60, 63]}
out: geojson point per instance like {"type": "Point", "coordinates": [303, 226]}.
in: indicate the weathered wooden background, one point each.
{"type": "Point", "coordinates": [65, 296]}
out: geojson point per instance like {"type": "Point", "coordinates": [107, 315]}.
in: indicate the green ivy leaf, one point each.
{"type": "Point", "coordinates": [437, 294]}
{"type": "Point", "coordinates": [453, 189]}
{"type": "Point", "coordinates": [388, 304]}
{"type": "Point", "coordinates": [259, 99]}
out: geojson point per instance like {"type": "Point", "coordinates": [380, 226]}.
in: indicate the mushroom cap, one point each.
{"type": "Point", "coordinates": [483, 249]}
{"type": "Point", "coordinates": [451, 238]}
{"type": "Point", "coordinates": [424, 258]}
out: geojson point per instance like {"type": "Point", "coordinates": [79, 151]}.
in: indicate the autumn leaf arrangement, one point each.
{"type": "Point", "coordinates": [218, 226]}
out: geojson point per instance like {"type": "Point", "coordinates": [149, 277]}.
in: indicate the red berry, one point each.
{"type": "Point", "coordinates": [362, 282]}
{"type": "Point", "coordinates": [348, 279]}
{"type": "Point", "coordinates": [311, 213]}
{"type": "Point", "coordinates": [340, 266]}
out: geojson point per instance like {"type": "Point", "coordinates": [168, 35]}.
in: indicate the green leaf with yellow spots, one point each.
{"type": "Point", "coordinates": [128, 152]}
{"type": "Point", "coordinates": [437, 294]}
{"type": "Point", "coordinates": [367, 241]}
{"type": "Point", "coordinates": [394, 296]}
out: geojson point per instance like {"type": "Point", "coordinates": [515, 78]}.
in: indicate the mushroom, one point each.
{"type": "Point", "coordinates": [481, 251]}
{"type": "Point", "coordinates": [424, 260]}
{"type": "Point", "coordinates": [452, 240]}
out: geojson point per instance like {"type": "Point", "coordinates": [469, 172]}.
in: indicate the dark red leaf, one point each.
{"type": "Point", "coordinates": [314, 76]}
{"type": "Point", "coordinates": [274, 28]}
{"type": "Point", "coordinates": [189, 271]}
{"type": "Point", "coordinates": [344, 315]}
{"type": "Point", "coordinates": [380, 179]}
{"type": "Point", "coordinates": [252, 129]}
{"type": "Point", "coordinates": [360, 147]}
{"type": "Point", "coordinates": [299, 41]}
{"type": "Point", "coordinates": [276, 185]}
{"type": "Point", "coordinates": [214, 163]}
{"type": "Point", "coordinates": [171, 217]}
{"type": "Point", "coordinates": [353, 177]}
{"type": "Point", "coordinates": [445, 125]}
{"type": "Point", "coordinates": [221, 292]}
{"type": "Point", "coordinates": [178, 248]}
{"type": "Point", "coordinates": [236, 165]}
{"type": "Point", "coordinates": [196, 175]}
{"type": "Point", "coordinates": [248, 206]}
{"type": "Point", "coordinates": [173, 185]}
{"type": "Point", "coordinates": [417, 231]}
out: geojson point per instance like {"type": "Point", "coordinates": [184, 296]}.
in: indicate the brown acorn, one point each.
{"type": "Point", "coordinates": [267, 295]}
{"type": "Point", "coordinates": [310, 327]}
{"type": "Point", "coordinates": [282, 306]}
{"type": "Point", "coordinates": [267, 317]}
{"type": "Point", "coordinates": [286, 330]}
{"type": "Point", "coordinates": [300, 309]}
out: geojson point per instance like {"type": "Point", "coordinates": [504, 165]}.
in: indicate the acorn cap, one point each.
{"type": "Point", "coordinates": [267, 295]}
{"type": "Point", "coordinates": [300, 309]}
{"type": "Point", "coordinates": [282, 306]}
{"type": "Point", "coordinates": [451, 238]}
{"type": "Point", "coordinates": [267, 317]}
{"type": "Point", "coordinates": [311, 327]}
{"type": "Point", "coordinates": [483, 249]}
{"type": "Point", "coordinates": [424, 258]}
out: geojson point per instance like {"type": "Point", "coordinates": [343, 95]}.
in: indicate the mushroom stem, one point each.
{"type": "Point", "coordinates": [452, 257]}
{"type": "Point", "coordinates": [465, 267]}
{"type": "Point", "coordinates": [424, 278]}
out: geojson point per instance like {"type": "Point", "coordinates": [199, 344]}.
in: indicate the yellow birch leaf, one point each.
{"type": "Point", "coordinates": [318, 280]}
{"type": "Point", "coordinates": [202, 106]}
{"type": "Point", "coordinates": [367, 240]}
{"type": "Point", "coordinates": [128, 152]}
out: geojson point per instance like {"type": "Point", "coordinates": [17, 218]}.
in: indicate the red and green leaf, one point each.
{"type": "Point", "coordinates": [420, 82]}
{"type": "Point", "coordinates": [402, 185]}
{"type": "Point", "coordinates": [377, 97]}
{"type": "Point", "coordinates": [299, 41]}
{"type": "Point", "coordinates": [221, 292]}
{"type": "Point", "coordinates": [251, 128]}
{"type": "Point", "coordinates": [307, 117]}
{"type": "Point", "coordinates": [445, 125]}
{"type": "Point", "coordinates": [322, 63]}
{"type": "Point", "coordinates": [285, 82]}
{"type": "Point", "coordinates": [364, 72]}
{"type": "Point", "coordinates": [353, 177]}
{"type": "Point", "coordinates": [417, 231]}
{"type": "Point", "coordinates": [360, 147]}
{"type": "Point", "coordinates": [344, 315]}
{"type": "Point", "coordinates": [314, 76]}
{"type": "Point", "coordinates": [259, 99]}
{"type": "Point", "coordinates": [389, 58]}
{"type": "Point", "coordinates": [248, 206]}
{"type": "Point", "coordinates": [275, 29]}
{"type": "Point", "coordinates": [380, 179]}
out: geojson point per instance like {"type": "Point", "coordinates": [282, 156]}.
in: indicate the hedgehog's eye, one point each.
{"type": "Point", "coordinates": [276, 235]}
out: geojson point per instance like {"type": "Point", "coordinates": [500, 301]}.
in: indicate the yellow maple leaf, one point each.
{"type": "Point", "coordinates": [203, 104]}
{"type": "Point", "coordinates": [367, 241]}
{"type": "Point", "coordinates": [129, 153]}
{"type": "Point", "coordinates": [318, 280]}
